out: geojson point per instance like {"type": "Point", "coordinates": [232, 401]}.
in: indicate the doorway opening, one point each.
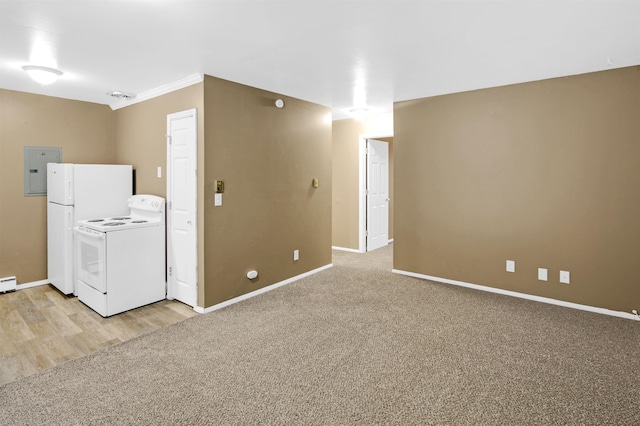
{"type": "Point", "coordinates": [376, 192]}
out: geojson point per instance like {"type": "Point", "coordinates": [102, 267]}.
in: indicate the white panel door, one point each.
{"type": "Point", "coordinates": [377, 194]}
{"type": "Point", "coordinates": [182, 257]}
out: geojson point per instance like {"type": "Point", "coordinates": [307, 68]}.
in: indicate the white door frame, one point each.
{"type": "Point", "coordinates": [362, 187]}
{"type": "Point", "coordinates": [169, 171]}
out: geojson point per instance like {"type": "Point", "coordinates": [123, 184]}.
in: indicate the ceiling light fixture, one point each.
{"type": "Point", "coordinates": [43, 75]}
{"type": "Point", "coordinates": [279, 103]}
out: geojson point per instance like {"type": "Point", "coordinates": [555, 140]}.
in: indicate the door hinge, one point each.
{"type": "Point", "coordinates": [366, 233]}
{"type": "Point", "coordinates": [170, 270]}
{"type": "Point", "coordinates": [366, 192]}
{"type": "Point", "coordinates": [170, 205]}
{"type": "Point", "coordinates": [168, 138]}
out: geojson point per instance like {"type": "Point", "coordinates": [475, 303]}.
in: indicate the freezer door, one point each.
{"type": "Point", "coordinates": [102, 190]}
{"type": "Point", "coordinates": [60, 247]}
{"type": "Point", "coordinates": [60, 183]}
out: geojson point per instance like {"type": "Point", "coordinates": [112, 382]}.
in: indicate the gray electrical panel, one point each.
{"type": "Point", "coordinates": [35, 168]}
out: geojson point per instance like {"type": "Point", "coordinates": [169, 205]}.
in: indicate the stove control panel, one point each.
{"type": "Point", "coordinates": [146, 202]}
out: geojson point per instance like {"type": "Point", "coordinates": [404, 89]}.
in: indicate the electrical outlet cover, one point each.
{"type": "Point", "coordinates": [511, 265]}
{"type": "Point", "coordinates": [565, 277]}
{"type": "Point", "coordinates": [542, 274]}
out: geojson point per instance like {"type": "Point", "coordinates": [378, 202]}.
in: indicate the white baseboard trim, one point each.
{"type": "Point", "coordinates": [550, 301]}
{"type": "Point", "coordinates": [226, 303]}
{"type": "Point", "coordinates": [345, 249]}
{"type": "Point", "coordinates": [31, 284]}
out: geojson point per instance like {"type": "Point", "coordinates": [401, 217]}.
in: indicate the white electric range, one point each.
{"type": "Point", "coordinates": [121, 260]}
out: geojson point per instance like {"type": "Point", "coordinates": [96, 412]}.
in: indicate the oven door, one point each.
{"type": "Point", "coordinates": [91, 253]}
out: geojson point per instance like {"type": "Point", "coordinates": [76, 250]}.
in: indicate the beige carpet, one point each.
{"type": "Point", "coordinates": [355, 344]}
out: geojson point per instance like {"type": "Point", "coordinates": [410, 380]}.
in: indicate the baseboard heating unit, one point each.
{"type": "Point", "coordinates": [8, 284]}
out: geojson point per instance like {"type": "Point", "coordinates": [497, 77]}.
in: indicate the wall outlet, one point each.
{"type": "Point", "coordinates": [296, 255]}
{"type": "Point", "coordinates": [511, 265]}
{"type": "Point", "coordinates": [565, 277]}
{"type": "Point", "coordinates": [542, 274]}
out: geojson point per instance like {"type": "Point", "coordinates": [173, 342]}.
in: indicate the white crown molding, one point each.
{"type": "Point", "coordinates": [158, 91]}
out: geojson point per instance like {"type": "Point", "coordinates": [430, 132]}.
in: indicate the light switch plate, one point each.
{"type": "Point", "coordinates": [296, 254]}
{"type": "Point", "coordinates": [217, 200]}
{"type": "Point", "coordinates": [542, 274]}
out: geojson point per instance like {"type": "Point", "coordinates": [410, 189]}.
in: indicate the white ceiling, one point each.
{"type": "Point", "coordinates": [335, 53]}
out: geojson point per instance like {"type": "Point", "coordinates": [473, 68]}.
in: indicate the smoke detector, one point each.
{"type": "Point", "coordinates": [121, 95]}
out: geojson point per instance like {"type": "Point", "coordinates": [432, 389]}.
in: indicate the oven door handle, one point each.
{"type": "Point", "coordinates": [90, 234]}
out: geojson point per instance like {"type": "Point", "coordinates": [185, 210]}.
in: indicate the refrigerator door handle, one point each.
{"type": "Point", "coordinates": [69, 195]}
{"type": "Point", "coordinates": [69, 224]}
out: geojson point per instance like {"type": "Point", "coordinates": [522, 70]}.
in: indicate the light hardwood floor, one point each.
{"type": "Point", "coordinates": [40, 327]}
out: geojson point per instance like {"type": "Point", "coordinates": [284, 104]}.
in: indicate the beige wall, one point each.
{"type": "Point", "coordinates": [140, 140]}
{"type": "Point", "coordinates": [345, 170]}
{"type": "Point", "coordinates": [140, 135]}
{"type": "Point", "coordinates": [267, 158]}
{"type": "Point", "coordinates": [345, 164]}
{"type": "Point", "coordinates": [544, 173]}
{"type": "Point", "coordinates": [389, 140]}
{"type": "Point", "coordinates": [83, 130]}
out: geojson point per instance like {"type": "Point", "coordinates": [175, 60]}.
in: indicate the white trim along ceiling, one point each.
{"type": "Point", "coordinates": [343, 54]}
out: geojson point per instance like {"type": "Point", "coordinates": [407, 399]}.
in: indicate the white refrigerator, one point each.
{"type": "Point", "coordinates": [77, 192]}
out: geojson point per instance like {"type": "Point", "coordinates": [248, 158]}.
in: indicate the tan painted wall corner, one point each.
{"type": "Point", "coordinates": [83, 130]}
{"type": "Point", "coordinates": [267, 158]}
